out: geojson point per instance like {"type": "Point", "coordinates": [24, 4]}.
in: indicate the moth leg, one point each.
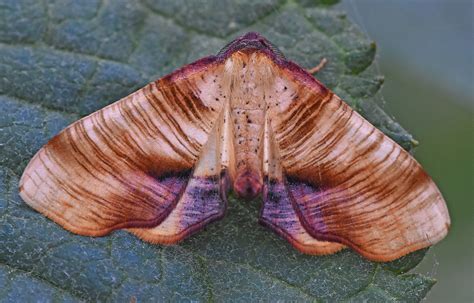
{"type": "Point", "coordinates": [318, 67]}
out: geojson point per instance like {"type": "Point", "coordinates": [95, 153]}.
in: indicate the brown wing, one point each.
{"type": "Point", "coordinates": [203, 200]}
{"type": "Point", "coordinates": [128, 165]}
{"type": "Point", "coordinates": [277, 211]}
{"type": "Point", "coordinates": [348, 182]}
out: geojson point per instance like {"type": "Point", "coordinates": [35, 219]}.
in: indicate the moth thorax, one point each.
{"type": "Point", "coordinates": [252, 71]}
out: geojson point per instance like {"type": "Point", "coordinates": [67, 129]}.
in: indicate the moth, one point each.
{"type": "Point", "coordinates": [161, 162]}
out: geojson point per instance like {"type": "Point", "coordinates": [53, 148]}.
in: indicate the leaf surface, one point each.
{"type": "Point", "coordinates": [61, 60]}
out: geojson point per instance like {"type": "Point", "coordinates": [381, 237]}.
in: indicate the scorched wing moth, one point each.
{"type": "Point", "coordinates": [160, 162]}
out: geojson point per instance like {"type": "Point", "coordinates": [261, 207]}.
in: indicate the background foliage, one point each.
{"type": "Point", "coordinates": [60, 60]}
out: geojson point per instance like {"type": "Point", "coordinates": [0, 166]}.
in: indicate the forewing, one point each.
{"type": "Point", "coordinates": [128, 164]}
{"type": "Point", "coordinates": [348, 182]}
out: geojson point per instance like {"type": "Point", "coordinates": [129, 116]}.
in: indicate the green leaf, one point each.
{"type": "Point", "coordinates": [60, 60]}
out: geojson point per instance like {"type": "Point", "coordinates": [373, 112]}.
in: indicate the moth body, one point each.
{"type": "Point", "coordinates": [247, 105]}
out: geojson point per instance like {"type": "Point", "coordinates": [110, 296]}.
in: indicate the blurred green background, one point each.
{"type": "Point", "coordinates": [425, 52]}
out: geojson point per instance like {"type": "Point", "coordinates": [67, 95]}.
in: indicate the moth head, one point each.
{"type": "Point", "coordinates": [251, 41]}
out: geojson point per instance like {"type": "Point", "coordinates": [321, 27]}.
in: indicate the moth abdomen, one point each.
{"type": "Point", "coordinates": [248, 184]}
